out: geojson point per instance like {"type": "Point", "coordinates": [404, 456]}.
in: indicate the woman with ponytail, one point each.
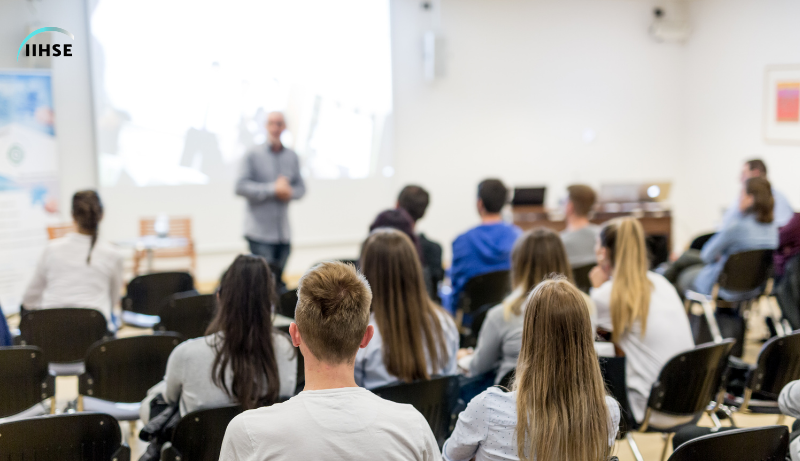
{"type": "Point", "coordinates": [557, 408]}
{"type": "Point", "coordinates": [77, 270]}
{"type": "Point", "coordinates": [640, 308]}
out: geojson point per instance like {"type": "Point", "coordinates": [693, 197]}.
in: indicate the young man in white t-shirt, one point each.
{"type": "Point", "coordinates": [332, 418]}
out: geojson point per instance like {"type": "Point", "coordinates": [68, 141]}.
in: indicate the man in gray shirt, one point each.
{"type": "Point", "coordinates": [269, 178]}
{"type": "Point", "coordinates": [580, 235]}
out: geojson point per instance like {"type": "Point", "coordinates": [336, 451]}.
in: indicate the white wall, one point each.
{"type": "Point", "coordinates": [524, 80]}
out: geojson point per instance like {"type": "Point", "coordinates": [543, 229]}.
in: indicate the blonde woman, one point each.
{"type": "Point", "coordinates": [536, 255]}
{"type": "Point", "coordinates": [640, 308]}
{"type": "Point", "coordinates": [558, 408]}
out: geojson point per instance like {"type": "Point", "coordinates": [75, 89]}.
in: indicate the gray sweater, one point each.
{"type": "Point", "coordinates": [188, 377]}
{"type": "Point", "coordinates": [267, 217]}
{"type": "Point", "coordinates": [789, 403]}
{"type": "Point", "coordinates": [499, 343]}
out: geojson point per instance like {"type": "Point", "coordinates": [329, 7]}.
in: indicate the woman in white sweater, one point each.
{"type": "Point", "coordinates": [640, 308]}
{"type": "Point", "coordinates": [558, 408]}
{"type": "Point", "coordinates": [77, 270]}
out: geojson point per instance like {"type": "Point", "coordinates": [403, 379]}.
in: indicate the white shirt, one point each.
{"type": "Point", "coordinates": [371, 372]}
{"type": "Point", "coordinates": [64, 279]}
{"type": "Point", "coordinates": [348, 423]}
{"type": "Point", "coordinates": [668, 334]}
{"type": "Point", "coordinates": [486, 428]}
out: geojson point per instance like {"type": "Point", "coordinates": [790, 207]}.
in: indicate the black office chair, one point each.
{"type": "Point", "coordinates": [147, 293]}
{"type": "Point", "coordinates": [507, 380]}
{"type": "Point", "coordinates": [287, 303]}
{"type": "Point", "coordinates": [120, 371]}
{"type": "Point", "coordinates": [25, 382]}
{"type": "Point", "coordinates": [435, 399]}
{"type": "Point", "coordinates": [613, 370]}
{"type": "Point", "coordinates": [686, 386]}
{"type": "Point", "coordinates": [778, 363]}
{"type": "Point", "coordinates": [73, 437]}
{"type": "Point", "coordinates": [700, 241]}
{"type": "Point", "coordinates": [469, 338]}
{"type": "Point", "coordinates": [198, 435]}
{"type": "Point", "coordinates": [581, 276]}
{"type": "Point", "coordinates": [768, 443]}
{"type": "Point", "coordinates": [63, 334]}
{"type": "Point", "coordinates": [187, 315]}
{"type": "Point", "coordinates": [490, 288]}
{"type": "Point", "coordinates": [743, 272]}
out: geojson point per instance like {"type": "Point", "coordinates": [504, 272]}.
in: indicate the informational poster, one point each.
{"type": "Point", "coordinates": [28, 178]}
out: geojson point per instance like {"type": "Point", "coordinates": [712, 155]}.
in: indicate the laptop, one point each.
{"type": "Point", "coordinates": [528, 196]}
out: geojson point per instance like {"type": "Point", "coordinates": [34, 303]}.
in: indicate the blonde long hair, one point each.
{"type": "Point", "coordinates": [623, 239]}
{"type": "Point", "coordinates": [406, 317]}
{"type": "Point", "coordinates": [561, 409]}
{"type": "Point", "coordinates": [536, 254]}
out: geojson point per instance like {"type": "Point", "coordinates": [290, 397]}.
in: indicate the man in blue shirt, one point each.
{"type": "Point", "coordinates": [783, 209]}
{"type": "Point", "coordinates": [487, 247]}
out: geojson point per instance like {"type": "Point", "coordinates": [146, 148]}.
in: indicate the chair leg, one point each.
{"type": "Point", "coordinates": [634, 448]}
{"type": "Point", "coordinates": [714, 419]}
{"type": "Point", "coordinates": [80, 403]}
{"type": "Point", "coordinates": [53, 405]}
{"type": "Point", "coordinates": [711, 319]}
{"type": "Point", "coordinates": [781, 419]}
{"type": "Point", "coordinates": [667, 442]}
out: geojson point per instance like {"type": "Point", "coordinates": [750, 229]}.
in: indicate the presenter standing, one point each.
{"type": "Point", "coordinates": [269, 179]}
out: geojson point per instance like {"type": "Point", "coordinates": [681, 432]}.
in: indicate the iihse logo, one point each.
{"type": "Point", "coordinates": [44, 50]}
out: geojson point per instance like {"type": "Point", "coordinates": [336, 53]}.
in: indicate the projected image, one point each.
{"type": "Point", "coordinates": [180, 100]}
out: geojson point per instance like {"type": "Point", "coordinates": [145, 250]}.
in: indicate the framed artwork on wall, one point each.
{"type": "Point", "coordinates": [782, 104]}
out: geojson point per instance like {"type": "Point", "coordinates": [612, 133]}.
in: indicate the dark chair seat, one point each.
{"type": "Point", "coordinates": [198, 435]}
{"type": "Point", "coordinates": [435, 399]}
{"type": "Point", "coordinates": [187, 315]}
{"type": "Point", "coordinates": [74, 437]}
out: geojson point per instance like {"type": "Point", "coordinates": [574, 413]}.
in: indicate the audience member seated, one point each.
{"type": "Point", "coordinates": [789, 403]}
{"type": "Point", "coordinates": [398, 219]}
{"type": "Point", "coordinates": [580, 235]}
{"type": "Point", "coordinates": [641, 309]}
{"type": "Point", "coordinates": [788, 244]}
{"type": "Point", "coordinates": [558, 407]}
{"type": "Point", "coordinates": [757, 169]}
{"type": "Point", "coordinates": [536, 255]}
{"type": "Point", "coordinates": [332, 418]}
{"type": "Point", "coordinates": [415, 199]}
{"type": "Point", "coordinates": [414, 338]}
{"type": "Point", "coordinates": [243, 359]}
{"type": "Point", "coordinates": [487, 247]}
{"type": "Point", "coordinates": [77, 270]}
{"type": "Point", "coordinates": [756, 230]}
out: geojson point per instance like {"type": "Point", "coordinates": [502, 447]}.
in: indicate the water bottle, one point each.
{"type": "Point", "coordinates": [161, 226]}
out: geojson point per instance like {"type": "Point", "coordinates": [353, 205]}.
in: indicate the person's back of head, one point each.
{"type": "Point", "coordinates": [414, 200]}
{"type": "Point", "coordinates": [757, 167]}
{"type": "Point", "coordinates": [244, 322]}
{"type": "Point", "coordinates": [624, 243]}
{"type": "Point", "coordinates": [406, 318]}
{"type": "Point", "coordinates": [332, 314]}
{"type": "Point", "coordinates": [493, 195]}
{"type": "Point", "coordinates": [763, 203]}
{"type": "Point", "coordinates": [87, 211]}
{"type": "Point", "coordinates": [561, 409]}
{"type": "Point", "coordinates": [536, 255]}
{"type": "Point", "coordinates": [582, 198]}
{"type": "Point", "coordinates": [399, 219]}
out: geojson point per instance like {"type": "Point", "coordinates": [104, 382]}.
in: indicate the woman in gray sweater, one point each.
{"type": "Point", "coordinates": [243, 359]}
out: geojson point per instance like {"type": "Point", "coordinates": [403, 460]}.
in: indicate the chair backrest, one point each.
{"type": "Point", "coordinates": [122, 370]}
{"type": "Point", "coordinates": [768, 443]}
{"type": "Point", "coordinates": [64, 334]}
{"type": "Point", "coordinates": [746, 271]}
{"type": "Point", "coordinates": [198, 435]}
{"type": "Point", "coordinates": [287, 303]}
{"type": "Point", "coordinates": [508, 379]}
{"type": "Point", "coordinates": [689, 381]}
{"type": "Point", "coordinates": [699, 242]}
{"type": "Point", "coordinates": [435, 399]}
{"type": "Point", "coordinates": [581, 276]}
{"type": "Point", "coordinates": [777, 364]}
{"type": "Point", "coordinates": [73, 437]}
{"type": "Point", "coordinates": [187, 315]}
{"type": "Point", "coordinates": [147, 293]}
{"type": "Point", "coordinates": [613, 371]}
{"type": "Point", "coordinates": [24, 379]}
{"type": "Point", "coordinates": [178, 227]}
{"type": "Point", "coordinates": [59, 230]}
{"type": "Point", "coordinates": [490, 288]}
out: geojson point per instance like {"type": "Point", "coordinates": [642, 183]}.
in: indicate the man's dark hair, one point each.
{"type": "Point", "coordinates": [757, 164]}
{"type": "Point", "coordinates": [414, 199]}
{"type": "Point", "coordinates": [493, 194]}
